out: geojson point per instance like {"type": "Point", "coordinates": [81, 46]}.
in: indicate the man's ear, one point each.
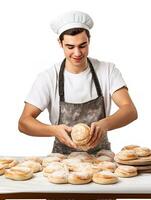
{"type": "Point", "coordinates": [60, 43]}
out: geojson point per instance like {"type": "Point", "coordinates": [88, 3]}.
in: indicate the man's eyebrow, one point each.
{"type": "Point", "coordinates": [71, 45]}
{"type": "Point", "coordinates": [83, 43]}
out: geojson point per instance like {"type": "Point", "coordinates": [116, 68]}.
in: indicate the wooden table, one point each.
{"type": "Point", "coordinates": [39, 188]}
{"type": "Point", "coordinates": [73, 196]}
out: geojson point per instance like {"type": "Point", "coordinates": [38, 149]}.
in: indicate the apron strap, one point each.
{"type": "Point", "coordinates": [61, 80]}
{"type": "Point", "coordinates": [95, 78]}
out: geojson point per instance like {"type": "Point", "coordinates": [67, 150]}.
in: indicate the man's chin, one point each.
{"type": "Point", "coordinates": [78, 62]}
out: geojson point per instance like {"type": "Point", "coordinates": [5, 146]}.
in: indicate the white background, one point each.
{"type": "Point", "coordinates": [121, 34]}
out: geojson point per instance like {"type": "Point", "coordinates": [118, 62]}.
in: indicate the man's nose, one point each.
{"type": "Point", "coordinates": [77, 52]}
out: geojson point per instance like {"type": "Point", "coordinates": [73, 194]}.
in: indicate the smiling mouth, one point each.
{"type": "Point", "coordinates": [78, 59]}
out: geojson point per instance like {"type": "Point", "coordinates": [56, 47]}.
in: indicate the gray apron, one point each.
{"type": "Point", "coordinates": [73, 113]}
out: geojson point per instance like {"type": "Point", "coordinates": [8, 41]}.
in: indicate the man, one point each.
{"type": "Point", "coordinates": [78, 89]}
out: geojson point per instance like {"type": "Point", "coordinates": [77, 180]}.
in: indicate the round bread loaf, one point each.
{"type": "Point", "coordinates": [127, 155]}
{"type": "Point", "coordinates": [142, 151]}
{"type": "Point", "coordinates": [130, 147]}
{"type": "Point", "coordinates": [80, 135]}
{"type": "Point", "coordinates": [8, 162]}
{"type": "Point", "coordinates": [105, 152]}
{"type": "Point", "coordinates": [126, 171]}
{"type": "Point", "coordinates": [34, 166]}
{"type": "Point", "coordinates": [51, 159]}
{"type": "Point", "coordinates": [18, 173]}
{"type": "Point", "coordinates": [79, 177]}
{"type": "Point", "coordinates": [103, 158]}
{"type": "Point", "coordinates": [107, 166]}
{"type": "Point", "coordinates": [105, 177]}
{"type": "Point", "coordinates": [57, 155]}
{"type": "Point", "coordinates": [58, 177]}
{"type": "Point", "coordinates": [2, 169]}
{"type": "Point", "coordinates": [34, 158]}
{"type": "Point", "coordinates": [54, 166]}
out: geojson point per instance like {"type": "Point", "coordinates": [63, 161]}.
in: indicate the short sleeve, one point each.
{"type": "Point", "coordinates": [39, 94]}
{"type": "Point", "coordinates": [116, 79]}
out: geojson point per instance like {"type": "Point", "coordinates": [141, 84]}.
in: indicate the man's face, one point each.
{"type": "Point", "coordinates": [76, 49]}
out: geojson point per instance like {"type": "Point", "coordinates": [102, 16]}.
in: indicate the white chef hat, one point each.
{"type": "Point", "coordinates": [72, 19]}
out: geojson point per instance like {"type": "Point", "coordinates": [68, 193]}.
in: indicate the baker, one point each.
{"type": "Point", "coordinates": [77, 89]}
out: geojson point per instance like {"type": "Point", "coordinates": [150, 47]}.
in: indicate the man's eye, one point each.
{"type": "Point", "coordinates": [83, 46]}
{"type": "Point", "coordinates": [70, 47]}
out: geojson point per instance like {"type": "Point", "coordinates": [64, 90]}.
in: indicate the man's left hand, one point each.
{"type": "Point", "coordinates": [97, 131]}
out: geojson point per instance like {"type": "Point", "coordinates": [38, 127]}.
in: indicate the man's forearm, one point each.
{"type": "Point", "coordinates": [33, 127]}
{"type": "Point", "coordinates": [123, 116]}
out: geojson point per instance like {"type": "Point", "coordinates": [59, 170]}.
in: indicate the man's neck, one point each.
{"type": "Point", "coordinates": [75, 69]}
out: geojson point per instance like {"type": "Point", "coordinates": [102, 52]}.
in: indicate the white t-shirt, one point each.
{"type": "Point", "coordinates": [78, 88]}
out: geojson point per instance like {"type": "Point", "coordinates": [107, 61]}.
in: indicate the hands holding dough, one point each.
{"type": "Point", "coordinates": [85, 137]}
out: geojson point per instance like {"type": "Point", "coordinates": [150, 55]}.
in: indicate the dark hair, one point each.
{"type": "Point", "coordinates": [74, 31]}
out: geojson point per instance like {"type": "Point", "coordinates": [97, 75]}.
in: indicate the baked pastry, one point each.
{"type": "Point", "coordinates": [127, 155]}
{"type": "Point", "coordinates": [82, 156]}
{"type": "Point", "coordinates": [103, 158]}
{"type": "Point", "coordinates": [79, 177]}
{"type": "Point", "coordinates": [34, 158]}
{"type": "Point", "coordinates": [142, 151]}
{"type": "Point", "coordinates": [71, 163]}
{"type": "Point", "coordinates": [18, 173]}
{"type": "Point", "coordinates": [77, 154]}
{"type": "Point", "coordinates": [8, 162]}
{"type": "Point", "coordinates": [105, 177]}
{"type": "Point", "coordinates": [54, 166]}
{"type": "Point", "coordinates": [78, 166]}
{"type": "Point", "coordinates": [34, 166]}
{"type": "Point", "coordinates": [81, 166]}
{"type": "Point", "coordinates": [130, 147]}
{"type": "Point", "coordinates": [58, 155]}
{"type": "Point", "coordinates": [105, 152]}
{"type": "Point", "coordinates": [126, 171]}
{"type": "Point", "coordinates": [48, 160]}
{"type": "Point", "coordinates": [58, 177]}
{"type": "Point", "coordinates": [88, 167]}
{"type": "Point", "coordinates": [96, 168]}
{"type": "Point", "coordinates": [2, 169]}
{"type": "Point", "coordinates": [80, 135]}
{"type": "Point", "coordinates": [107, 166]}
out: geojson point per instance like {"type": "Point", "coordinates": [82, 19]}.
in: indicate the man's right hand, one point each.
{"type": "Point", "coordinates": [62, 132]}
